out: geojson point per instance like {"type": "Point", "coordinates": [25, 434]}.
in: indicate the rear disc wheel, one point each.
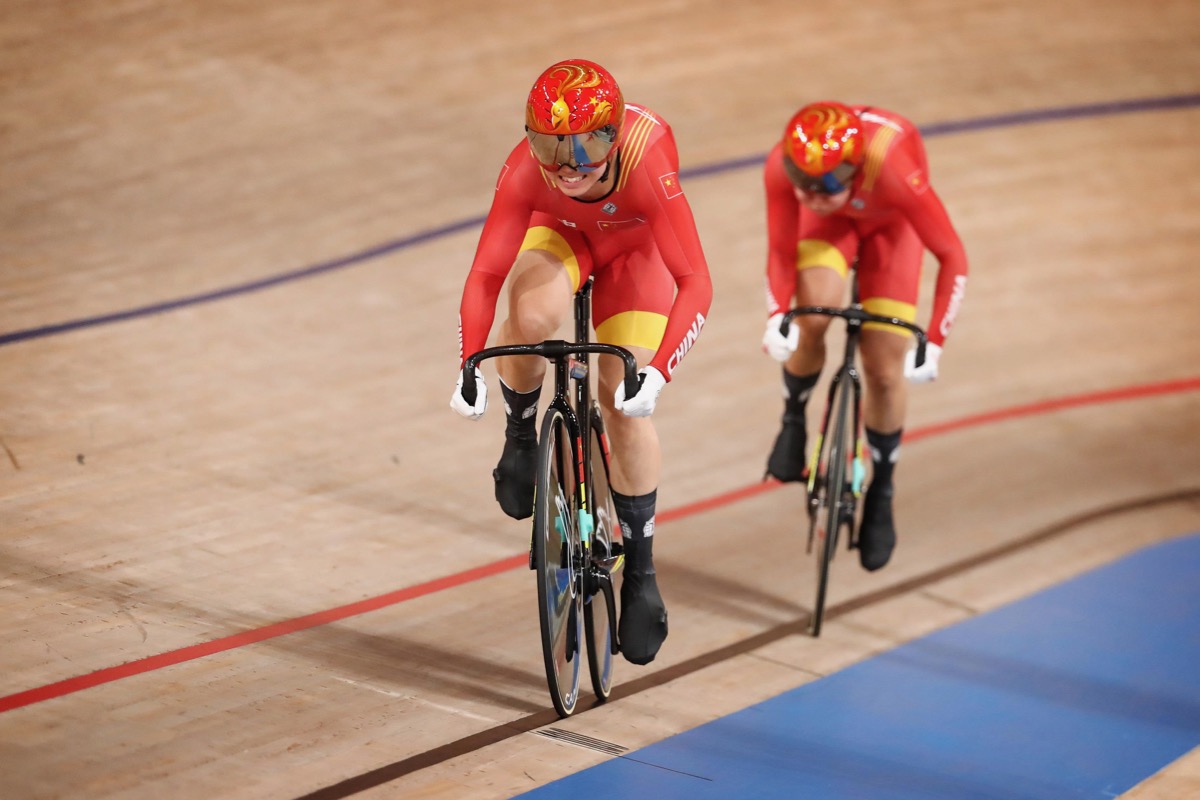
{"type": "Point", "coordinates": [600, 604]}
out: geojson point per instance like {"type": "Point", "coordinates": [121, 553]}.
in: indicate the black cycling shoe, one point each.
{"type": "Point", "coordinates": [786, 462]}
{"type": "Point", "coordinates": [643, 626]}
{"type": "Point", "coordinates": [514, 477]}
{"type": "Point", "coordinates": [877, 533]}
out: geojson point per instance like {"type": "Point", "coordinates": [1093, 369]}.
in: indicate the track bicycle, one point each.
{"type": "Point", "coordinates": [836, 469]}
{"type": "Point", "coordinates": [576, 548]}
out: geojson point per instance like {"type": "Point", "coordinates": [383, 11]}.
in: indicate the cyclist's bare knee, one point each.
{"type": "Point", "coordinates": [539, 302]}
{"type": "Point", "coordinates": [883, 373]}
{"type": "Point", "coordinates": [813, 328]}
{"type": "Point", "coordinates": [883, 354]}
{"type": "Point", "coordinates": [809, 357]}
{"type": "Point", "coordinates": [539, 297]}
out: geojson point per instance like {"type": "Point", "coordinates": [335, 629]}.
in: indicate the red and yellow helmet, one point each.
{"type": "Point", "coordinates": [574, 116]}
{"type": "Point", "coordinates": [823, 147]}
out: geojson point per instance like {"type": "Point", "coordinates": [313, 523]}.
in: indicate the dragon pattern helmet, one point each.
{"type": "Point", "coordinates": [823, 147]}
{"type": "Point", "coordinates": [574, 116]}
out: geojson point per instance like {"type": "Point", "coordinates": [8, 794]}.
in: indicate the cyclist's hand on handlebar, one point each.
{"type": "Point", "coordinates": [650, 383]}
{"type": "Point", "coordinates": [459, 403]}
{"type": "Point", "coordinates": [775, 344]}
{"type": "Point", "coordinates": [927, 371]}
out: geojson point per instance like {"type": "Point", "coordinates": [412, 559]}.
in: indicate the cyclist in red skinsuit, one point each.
{"type": "Point", "coordinates": [592, 190]}
{"type": "Point", "coordinates": [846, 186]}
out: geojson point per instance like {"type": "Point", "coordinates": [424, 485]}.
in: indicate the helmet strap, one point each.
{"type": "Point", "coordinates": [608, 166]}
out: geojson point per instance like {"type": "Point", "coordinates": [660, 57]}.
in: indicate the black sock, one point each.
{"type": "Point", "coordinates": [885, 451]}
{"type": "Point", "coordinates": [636, 515]}
{"type": "Point", "coordinates": [797, 388]}
{"type": "Point", "coordinates": [520, 409]}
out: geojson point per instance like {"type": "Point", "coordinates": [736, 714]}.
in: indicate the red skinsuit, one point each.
{"type": "Point", "coordinates": [893, 215]}
{"type": "Point", "coordinates": [640, 240]}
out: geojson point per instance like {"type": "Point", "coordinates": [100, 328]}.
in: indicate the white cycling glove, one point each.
{"type": "Point", "coordinates": [459, 403]}
{"type": "Point", "coordinates": [775, 344]}
{"type": "Point", "coordinates": [642, 403]}
{"type": "Point", "coordinates": [926, 372]}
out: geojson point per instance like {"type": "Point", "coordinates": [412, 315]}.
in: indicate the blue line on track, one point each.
{"type": "Point", "coordinates": [940, 129]}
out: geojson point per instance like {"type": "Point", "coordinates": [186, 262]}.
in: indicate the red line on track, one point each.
{"type": "Point", "coordinates": [170, 658]}
{"type": "Point", "coordinates": [1056, 404]}
{"type": "Point", "coordinates": [150, 663]}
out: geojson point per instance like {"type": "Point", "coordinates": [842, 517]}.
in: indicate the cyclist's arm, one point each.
{"type": "Point", "coordinates": [678, 242]}
{"type": "Point", "coordinates": [924, 210]}
{"type": "Point", "coordinates": [783, 210]}
{"type": "Point", "coordinates": [503, 232]}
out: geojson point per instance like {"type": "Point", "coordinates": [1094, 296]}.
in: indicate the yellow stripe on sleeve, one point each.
{"type": "Point", "coordinates": [881, 142]}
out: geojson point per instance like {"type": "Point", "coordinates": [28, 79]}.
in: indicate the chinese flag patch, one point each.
{"type": "Point", "coordinates": [670, 184]}
{"type": "Point", "coordinates": [916, 182]}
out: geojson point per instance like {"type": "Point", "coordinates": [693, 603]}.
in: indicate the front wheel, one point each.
{"type": "Point", "coordinates": [826, 507]}
{"type": "Point", "coordinates": [556, 552]}
{"type": "Point", "coordinates": [599, 610]}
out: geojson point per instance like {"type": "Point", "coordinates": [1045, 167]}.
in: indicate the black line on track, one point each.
{"type": "Point", "coordinates": [509, 730]}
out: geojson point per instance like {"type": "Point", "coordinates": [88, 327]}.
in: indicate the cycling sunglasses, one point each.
{"type": "Point", "coordinates": [585, 152]}
{"type": "Point", "coordinates": [832, 182]}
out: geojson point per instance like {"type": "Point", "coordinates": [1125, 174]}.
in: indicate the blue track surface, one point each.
{"type": "Point", "coordinates": [1081, 691]}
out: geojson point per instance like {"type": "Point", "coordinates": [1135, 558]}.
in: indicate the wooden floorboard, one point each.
{"type": "Point", "coordinates": [232, 243]}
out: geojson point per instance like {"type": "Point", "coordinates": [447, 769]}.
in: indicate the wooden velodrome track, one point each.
{"type": "Point", "coordinates": [232, 242]}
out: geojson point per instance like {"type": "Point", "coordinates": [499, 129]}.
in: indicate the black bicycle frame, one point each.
{"type": "Point", "coordinates": [855, 316]}
{"type": "Point", "coordinates": [571, 362]}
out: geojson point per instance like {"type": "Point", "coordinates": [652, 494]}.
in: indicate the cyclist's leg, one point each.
{"type": "Point", "coordinates": [548, 269]}
{"type": "Point", "coordinates": [631, 300]}
{"type": "Point", "coordinates": [825, 252]}
{"type": "Point", "coordinates": [889, 277]}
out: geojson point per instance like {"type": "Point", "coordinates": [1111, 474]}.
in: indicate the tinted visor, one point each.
{"type": "Point", "coordinates": [582, 151]}
{"type": "Point", "coordinates": [836, 180]}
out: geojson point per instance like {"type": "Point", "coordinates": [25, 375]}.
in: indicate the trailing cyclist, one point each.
{"type": "Point", "coordinates": [592, 189]}
{"type": "Point", "coordinates": [848, 186]}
